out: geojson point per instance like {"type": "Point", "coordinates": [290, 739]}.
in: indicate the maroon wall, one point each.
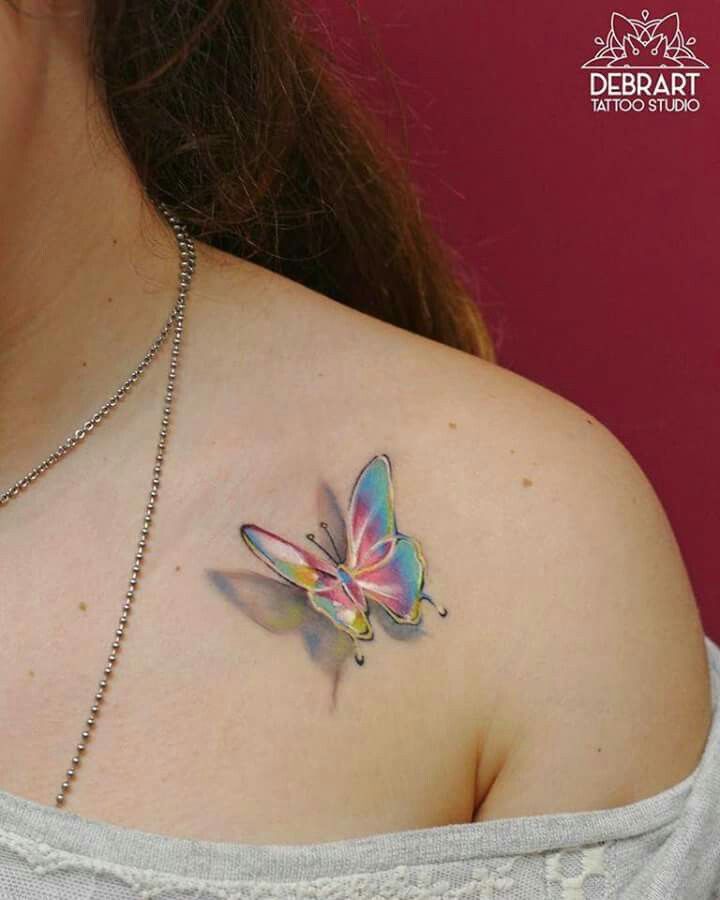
{"type": "Point", "coordinates": [593, 238]}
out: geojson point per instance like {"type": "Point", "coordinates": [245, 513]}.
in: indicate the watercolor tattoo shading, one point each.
{"type": "Point", "coordinates": [368, 559]}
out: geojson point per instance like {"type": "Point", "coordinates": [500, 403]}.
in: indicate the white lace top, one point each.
{"type": "Point", "coordinates": [665, 847]}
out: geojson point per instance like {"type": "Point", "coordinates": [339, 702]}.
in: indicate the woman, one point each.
{"type": "Point", "coordinates": [493, 621]}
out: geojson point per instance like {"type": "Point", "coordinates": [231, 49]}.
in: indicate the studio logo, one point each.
{"type": "Point", "coordinates": [645, 64]}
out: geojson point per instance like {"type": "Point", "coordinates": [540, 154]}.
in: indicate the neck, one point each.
{"type": "Point", "coordinates": [88, 274]}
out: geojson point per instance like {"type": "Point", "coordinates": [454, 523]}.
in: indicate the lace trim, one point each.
{"type": "Point", "coordinates": [566, 873]}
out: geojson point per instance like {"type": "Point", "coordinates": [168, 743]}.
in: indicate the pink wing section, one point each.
{"type": "Point", "coordinates": [371, 518]}
{"type": "Point", "coordinates": [396, 582]}
{"type": "Point", "coordinates": [330, 594]}
{"type": "Point", "coordinates": [294, 563]}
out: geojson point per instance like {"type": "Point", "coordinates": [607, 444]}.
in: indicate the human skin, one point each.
{"type": "Point", "coordinates": [570, 672]}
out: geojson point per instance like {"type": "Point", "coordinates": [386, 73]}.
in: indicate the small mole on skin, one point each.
{"type": "Point", "coordinates": [31, 673]}
{"type": "Point", "coordinates": [177, 568]}
{"type": "Point", "coordinates": [109, 299]}
{"type": "Point", "coordinates": [512, 451]}
{"type": "Point", "coordinates": [114, 240]}
{"type": "Point", "coordinates": [527, 482]}
{"type": "Point", "coordinates": [84, 363]}
{"type": "Point", "coordinates": [452, 425]}
{"type": "Point", "coordinates": [82, 605]}
{"type": "Point", "coordinates": [589, 421]}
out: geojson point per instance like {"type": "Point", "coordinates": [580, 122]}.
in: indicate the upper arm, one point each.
{"type": "Point", "coordinates": [602, 693]}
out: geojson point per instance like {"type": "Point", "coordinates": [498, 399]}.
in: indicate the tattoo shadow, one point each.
{"type": "Point", "coordinates": [282, 608]}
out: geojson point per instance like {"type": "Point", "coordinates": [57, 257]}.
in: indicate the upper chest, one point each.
{"type": "Point", "coordinates": [233, 711]}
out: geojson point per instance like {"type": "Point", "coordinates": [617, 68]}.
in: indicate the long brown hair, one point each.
{"type": "Point", "coordinates": [242, 121]}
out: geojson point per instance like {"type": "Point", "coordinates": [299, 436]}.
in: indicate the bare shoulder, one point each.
{"type": "Point", "coordinates": [578, 646]}
{"type": "Point", "coordinates": [605, 698]}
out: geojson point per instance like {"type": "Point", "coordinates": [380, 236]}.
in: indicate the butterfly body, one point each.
{"type": "Point", "coordinates": [344, 575]}
{"type": "Point", "coordinates": [381, 564]}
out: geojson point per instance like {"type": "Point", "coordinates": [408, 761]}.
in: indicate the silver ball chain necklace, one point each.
{"type": "Point", "coordinates": [186, 249]}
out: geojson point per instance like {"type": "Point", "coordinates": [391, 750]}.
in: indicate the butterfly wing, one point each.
{"type": "Point", "coordinates": [388, 566]}
{"type": "Point", "coordinates": [371, 517]}
{"type": "Point", "coordinates": [343, 603]}
{"type": "Point", "coordinates": [293, 563]}
{"type": "Point", "coordinates": [396, 581]}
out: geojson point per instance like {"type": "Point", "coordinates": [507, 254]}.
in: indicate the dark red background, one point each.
{"type": "Point", "coordinates": [592, 238]}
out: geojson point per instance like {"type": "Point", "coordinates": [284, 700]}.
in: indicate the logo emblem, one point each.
{"type": "Point", "coordinates": [645, 43]}
{"type": "Point", "coordinates": [645, 63]}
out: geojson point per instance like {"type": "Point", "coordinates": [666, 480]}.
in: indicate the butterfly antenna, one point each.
{"type": "Point", "coordinates": [359, 657]}
{"type": "Point", "coordinates": [311, 537]}
{"type": "Point", "coordinates": [326, 529]}
{"type": "Point", "coordinates": [440, 609]}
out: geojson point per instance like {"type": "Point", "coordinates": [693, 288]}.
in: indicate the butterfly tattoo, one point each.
{"type": "Point", "coordinates": [381, 563]}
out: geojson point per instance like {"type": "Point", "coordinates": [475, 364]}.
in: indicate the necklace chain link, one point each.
{"type": "Point", "coordinates": [186, 250]}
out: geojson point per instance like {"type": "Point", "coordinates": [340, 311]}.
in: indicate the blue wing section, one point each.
{"type": "Point", "coordinates": [371, 518]}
